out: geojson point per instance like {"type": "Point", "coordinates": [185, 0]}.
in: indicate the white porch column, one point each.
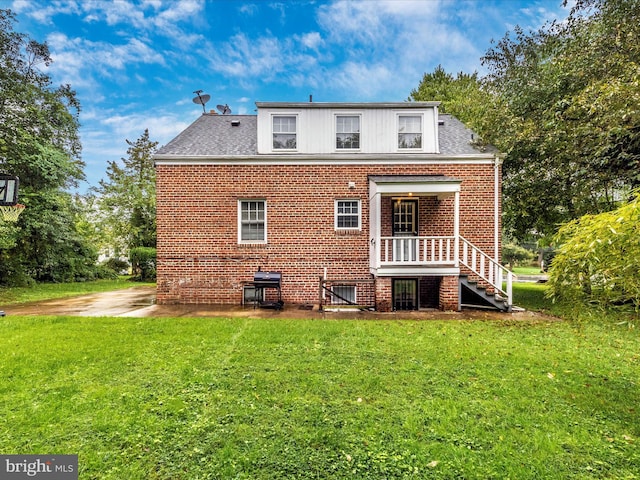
{"type": "Point", "coordinates": [375, 229]}
{"type": "Point", "coordinates": [456, 228]}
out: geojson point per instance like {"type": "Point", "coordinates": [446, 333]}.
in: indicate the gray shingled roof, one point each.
{"type": "Point", "coordinates": [213, 135]}
{"type": "Point", "coordinates": [456, 139]}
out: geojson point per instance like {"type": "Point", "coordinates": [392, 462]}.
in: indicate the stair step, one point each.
{"type": "Point", "coordinates": [495, 300]}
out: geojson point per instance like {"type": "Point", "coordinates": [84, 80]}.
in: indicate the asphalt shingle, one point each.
{"type": "Point", "coordinates": [214, 135]}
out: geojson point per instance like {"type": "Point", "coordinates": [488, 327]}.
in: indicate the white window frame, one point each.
{"type": "Point", "coordinates": [337, 301]}
{"type": "Point", "coordinates": [241, 222]}
{"type": "Point", "coordinates": [337, 132]}
{"type": "Point", "coordinates": [421, 132]}
{"type": "Point", "coordinates": [288, 132]}
{"type": "Point", "coordinates": [338, 214]}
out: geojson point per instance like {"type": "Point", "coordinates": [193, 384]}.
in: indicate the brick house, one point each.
{"type": "Point", "coordinates": [383, 205]}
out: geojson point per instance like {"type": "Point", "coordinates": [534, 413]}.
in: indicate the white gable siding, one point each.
{"type": "Point", "coordinates": [316, 129]}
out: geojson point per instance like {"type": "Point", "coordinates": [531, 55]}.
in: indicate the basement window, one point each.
{"type": "Point", "coordinates": [251, 294]}
{"type": "Point", "coordinates": [343, 295]}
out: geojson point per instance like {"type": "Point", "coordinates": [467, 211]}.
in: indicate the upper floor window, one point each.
{"type": "Point", "coordinates": [347, 214]}
{"type": "Point", "coordinates": [284, 132]}
{"type": "Point", "coordinates": [347, 132]}
{"type": "Point", "coordinates": [252, 221]}
{"type": "Point", "coordinates": [409, 131]}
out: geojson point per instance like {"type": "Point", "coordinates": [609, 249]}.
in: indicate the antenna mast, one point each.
{"type": "Point", "coordinates": [201, 99]}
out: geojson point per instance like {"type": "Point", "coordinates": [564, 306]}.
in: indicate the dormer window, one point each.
{"type": "Point", "coordinates": [347, 132]}
{"type": "Point", "coordinates": [409, 132]}
{"type": "Point", "coordinates": [284, 132]}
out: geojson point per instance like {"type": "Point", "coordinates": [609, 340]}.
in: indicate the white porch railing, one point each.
{"type": "Point", "coordinates": [417, 251]}
{"type": "Point", "coordinates": [441, 251]}
{"type": "Point", "coordinates": [487, 269]}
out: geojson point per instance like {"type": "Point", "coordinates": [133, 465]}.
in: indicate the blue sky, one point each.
{"type": "Point", "coordinates": [136, 64]}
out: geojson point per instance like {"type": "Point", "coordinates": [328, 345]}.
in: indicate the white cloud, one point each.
{"type": "Point", "coordinates": [157, 16]}
{"type": "Point", "coordinates": [78, 61]}
{"type": "Point", "coordinates": [104, 134]}
{"type": "Point", "coordinates": [311, 40]}
{"type": "Point", "coordinates": [362, 80]}
{"type": "Point", "coordinates": [179, 10]}
{"type": "Point", "coordinates": [44, 13]}
{"type": "Point", "coordinates": [117, 11]}
{"type": "Point", "coordinates": [243, 57]}
{"type": "Point", "coordinates": [156, 4]}
{"type": "Point", "coordinates": [162, 127]}
{"type": "Point", "coordinates": [248, 9]}
{"type": "Point", "coordinates": [351, 22]}
{"type": "Point", "coordinates": [19, 6]}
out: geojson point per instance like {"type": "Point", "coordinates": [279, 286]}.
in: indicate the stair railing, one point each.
{"type": "Point", "coordinates": [487, 269]}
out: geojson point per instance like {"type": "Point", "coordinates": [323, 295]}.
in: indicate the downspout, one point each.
{"type": "Point", "coordinates": [496, 207]}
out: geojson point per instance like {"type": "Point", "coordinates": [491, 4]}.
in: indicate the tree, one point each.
{"type": "Point", "coordinates": [39, 142]}
{"type": "Point", "coordinates": [462, 96]}
{"type": "Point", "coordinates": [127, 198]}
{"type": "Point", "coordinates": [569, 116]}
{"type": "Point", "coordinates": [599, 258]}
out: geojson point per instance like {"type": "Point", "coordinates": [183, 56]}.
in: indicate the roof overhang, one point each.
{"type": "Point", "coordinates": [368, 159]}
{"type": "Point", "coordinates": [364, 105]}
{"type": "Point", "coordinates": [432, 185]}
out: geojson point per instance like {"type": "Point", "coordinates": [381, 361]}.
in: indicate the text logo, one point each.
{"type": "Point", "coordinates": [44, 467]}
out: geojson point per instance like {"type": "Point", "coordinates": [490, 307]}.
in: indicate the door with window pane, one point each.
{"type": "Point", "coordinates": [405, 293]}
{"type": "Point", "coordinates": [405, 227]}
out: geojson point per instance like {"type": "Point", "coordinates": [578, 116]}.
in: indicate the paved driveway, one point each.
{"type": "Point", "coordinates": [118, 303]}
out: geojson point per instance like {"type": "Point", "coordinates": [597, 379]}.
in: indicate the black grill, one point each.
{"type": "Point", "coordinates": [268, 280]}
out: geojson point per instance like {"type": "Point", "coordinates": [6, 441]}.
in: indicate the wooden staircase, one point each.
{"type": "Point", "coordinates": [474, 294]}
{"type": "Point", "coordinates": [489, 284]}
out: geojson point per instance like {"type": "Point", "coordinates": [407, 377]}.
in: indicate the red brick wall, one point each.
{"type": "Point", "coordinates": [449, 293]}
{"type": "Point", "coordinates": [200, 261]}
{"type": "Point", "coordinates": [383, 294]}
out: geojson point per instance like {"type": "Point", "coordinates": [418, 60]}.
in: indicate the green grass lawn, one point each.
{"type": "Point", "coordinates": [527, 271]}
{"type": "Point", "coordinates": [222, 398]}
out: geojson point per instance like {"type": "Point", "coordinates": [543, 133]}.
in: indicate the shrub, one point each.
{"type": "Point", "coordinates": [548, 254]}
{"type": "Point", "coordinates": [115, 264]}
{"type": "Point", "coordinates": [599, 258]}
{"type": "Point", "coordinates": [513, 254]}
{"type": "Point", "coordinates": [143, 263]}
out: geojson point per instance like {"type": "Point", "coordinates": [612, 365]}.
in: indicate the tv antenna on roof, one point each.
{"type": "Point", "coordinates": [201, 99]}
{"type": "Point", "coordinates": [224, 109]}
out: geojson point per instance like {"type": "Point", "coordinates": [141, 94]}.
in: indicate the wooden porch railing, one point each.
{"type": "Point", "coordinates": [417, 251]}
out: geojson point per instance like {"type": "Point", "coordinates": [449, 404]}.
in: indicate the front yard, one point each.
{"type": "Point", "coordinates": [179, 398]}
